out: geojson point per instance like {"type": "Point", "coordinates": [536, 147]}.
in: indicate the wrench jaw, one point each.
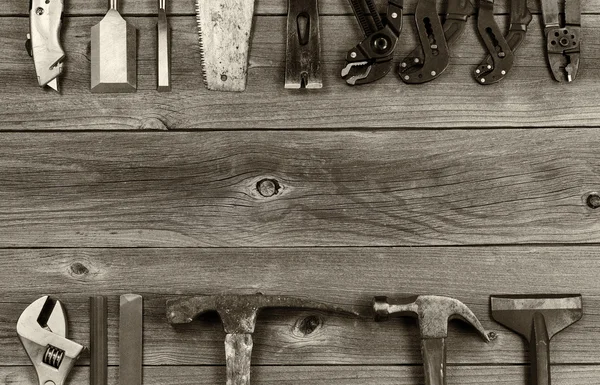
{"type": "Point", "coordinates": [42, 329]}
{"type": "Point", "coordinates": [563, 46]}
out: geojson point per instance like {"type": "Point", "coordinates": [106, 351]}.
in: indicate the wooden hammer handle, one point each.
{"type": "Point", "coordinates": [238, 354]}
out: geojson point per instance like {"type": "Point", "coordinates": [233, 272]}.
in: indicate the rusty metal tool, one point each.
{"type": "Point", "coordinates": [98, 341]}
{"type": "Point", "coordinates": [238, 314]}
{"type": "Point", "coordinates": [428, 61]}
{"type": "Point", "coordinates": [42, 329]}
{"type": "Point", "coordinates": [499, 50]}
{"type": "Point", "coordinates": [131, 339]}
{"type": "Point", "coordinates": [114, 54]}
{"type": "Point", "coordinates": [433, 313]}
{"type": "Point", "coordinates": [303, 54]}
{"type": "Point", "coordinates": [563, 44]}
{"type": "Point", "coordinates": [163, 56]}
{"type": "Point", "coordinates": [224, 30]}
{"type": "Point", "coordinates": [371, 59]}
{"type": "Point", "coordinates": [43, 41]}
{"type": "Point", "coordinates": [537, 318]}
{"type": "Point", "coordinates": [490, 73]}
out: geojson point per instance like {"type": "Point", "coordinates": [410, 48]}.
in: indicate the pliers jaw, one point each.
{"type": "Point", "coordinates": [563, 45]}
{"type": "Point", "coordinates": [42, 329]}
{"type": "Point", "coordinates": [370, 60]}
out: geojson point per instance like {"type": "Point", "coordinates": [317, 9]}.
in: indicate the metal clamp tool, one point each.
{"type": "Point", "coordinates": [563, 44]}
{"type": "Point", "coordinates": [431, 58]}
{"type": "Point", "coordinates": [42, 328]}
{"type": "Point", "coordinates": [491, 71]}
{"type": "Point", "coordinates": [303, 54]}
{"type": "Point", "coordinates": [43, 40]}
{"type": "Point", "coordinates": [373, 56]}
{"type": "Point", "coordinates": [500, 53]}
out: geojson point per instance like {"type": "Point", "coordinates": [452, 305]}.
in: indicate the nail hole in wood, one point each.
{"type": "Point", "coordinates": [268, 187]}
{"type": "Point", "coordinates": [593, 201]}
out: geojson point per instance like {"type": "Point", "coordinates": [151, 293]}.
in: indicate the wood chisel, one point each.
{"type": "Point", "coordinates": [98, 341]}
{"type": "Point", "coordinates": [114, 54]}
{"type": "Point", "coordinates": [130, 340]}
{"type": "Point", "coordinates": [43, 40]}
{"type": "Point", "coordinates": [303, 55]}
{"type": "Point", "coordinates": [224, 28]}
{"type": "Point", "coordinates": [163, 57]}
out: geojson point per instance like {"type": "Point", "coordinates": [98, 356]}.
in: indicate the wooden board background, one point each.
{"type": "Point", "coordinates": [446, 188]}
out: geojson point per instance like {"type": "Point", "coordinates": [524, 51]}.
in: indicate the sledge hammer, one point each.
{"type": "Point", "coordinates": [238, 314]}
{"type": "Point", "coordinates": [537, 318]}
{"type": "Point", "coordinates": [433, 313]}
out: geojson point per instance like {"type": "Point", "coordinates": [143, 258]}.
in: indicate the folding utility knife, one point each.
{"type": "Point", "coordinates": [43, 40]}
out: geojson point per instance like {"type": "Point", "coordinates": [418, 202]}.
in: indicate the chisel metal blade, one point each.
{"type": "Point", "coordinates": [224, 28]}
{"type": "Point", "coordinates": [303, 57]}
{"type": "Point", "coordinates": [163, 63]}
{"type": "Point", "coordinates": [130, 340]}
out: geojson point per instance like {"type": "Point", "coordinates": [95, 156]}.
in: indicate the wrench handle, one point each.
{"type": "Point", "coordinates": [540, 351]}
{"type": "Point", "coordinates": [238, 355]}
{"type": "Point", "coordinates": [434, 360]}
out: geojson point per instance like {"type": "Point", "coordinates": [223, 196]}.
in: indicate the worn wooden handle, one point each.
{"type": "Point", "coordinates": [434, 360]}
{"type": "Point", "coordinates": [238, 354]}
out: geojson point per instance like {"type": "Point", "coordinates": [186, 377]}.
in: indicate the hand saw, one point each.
{"type": "Point", "coordinates": [224, 28]}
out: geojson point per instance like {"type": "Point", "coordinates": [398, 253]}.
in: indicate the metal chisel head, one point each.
{"type": "Point", "coordinates": [163, 57]}
{"type": "Point", "coordinates": [114, 54]}
{"type": "Point", "coordinates": [224, 28]}
{"type": "Point", "coordinates": [303, 56]}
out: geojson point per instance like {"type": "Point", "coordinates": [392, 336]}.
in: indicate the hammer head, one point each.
{"type": "Point", "coordinates": [432, 311]}
{"type": "Point", "coordinates": [238, 312]}
{"type": "Point", "coordinates": [516, 312]}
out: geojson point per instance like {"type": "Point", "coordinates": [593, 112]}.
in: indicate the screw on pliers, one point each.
{"type": "Point", "coordinates": [428, 61]}
{"type": "Point", "coordinates": [371, 59]}
{"type": "Point", "coordinates": [492, 70]}
{"type": "Point", "coordinates": [42, 328]}
{"type": "Point", "coordinates": [562, 43]}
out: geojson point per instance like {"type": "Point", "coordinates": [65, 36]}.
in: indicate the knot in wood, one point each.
{"type": "Point", "coordinates": [593, 201]}
{"type": "Point", "coordinates": [308, 325]}
{"type": "Point", "coordinates": [78, 268]}
{"type": "Point", "coordinates": [268, 187]}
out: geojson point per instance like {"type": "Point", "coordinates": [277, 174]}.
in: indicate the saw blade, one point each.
{"type": "Point", "coordinates": [224, 30]}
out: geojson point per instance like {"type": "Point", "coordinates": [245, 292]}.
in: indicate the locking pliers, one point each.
{"type": "Point", "coordinates": [42, 328]}
{"type": "Point", "coordinates": [371, 59]}
{"type": "Point", "coordinates": [562, 43]}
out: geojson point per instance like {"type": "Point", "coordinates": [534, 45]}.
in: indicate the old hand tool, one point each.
{"type": "Point", "coordinates": [491, 70]}
{"type": "Point", "coordinates": [114, 54]}
{"type": "Point", "coordinates": [224, 28]}
{"type": "Point", "coordinates": [563, 44]}
{"type": "Point", "coordinates": [371, 59]}
{"type": "Point", "coordinates": [238, 314]}
{"type": "Point", "coordinates": [130, 339]}
{"type": "Point", "coordinates": [537, 318]}
{"type": "Point", "coordinates": [433, 313]}
{"type": "Point", "coordinates": [43, 40]}
{"type": "Point", "coordinates": [431, 58]}
{"type": "Point", "coordinates": [98, 341]}
{"type": "Point", "coordinates": [42, 328]}
{"type": "Point", "coordinates": [303, 54]}
{"type": "Point", "coordinates": [163, 43]}
{"type": "Point", "coordinates": [499, 50]}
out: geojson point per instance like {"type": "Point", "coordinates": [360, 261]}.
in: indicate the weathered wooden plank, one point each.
{"type": "Point", "coordinates": [330, 375]}
{"type": "Point", "coordinates": [263, 7]}
{"type": "Point", "coordinates": [387, 188]}
{"type": "Point", "coordinates": [342, 276]}
{"type": "Point", "coordinates": [529, 97]}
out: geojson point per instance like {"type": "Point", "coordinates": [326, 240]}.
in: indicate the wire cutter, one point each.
{"type": "Point", "coordinates": [562, 43]}
{"type": "Point", "coordinates": [42, 328]}
{"type": "Point", "coordinates": [371, 59]}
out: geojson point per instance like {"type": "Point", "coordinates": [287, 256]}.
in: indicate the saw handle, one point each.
{"type": "Point", "coordinates": [434, 360]}
{"type": "Point", "coordinates": [238, 354]}
{"type": "Point", "coordinates": [540, 351]}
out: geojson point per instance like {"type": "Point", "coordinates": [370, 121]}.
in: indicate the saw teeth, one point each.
{"type": "Point", "coordinates": [200, 43]}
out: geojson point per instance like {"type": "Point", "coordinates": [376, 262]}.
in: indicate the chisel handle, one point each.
{"type": "Point", "coordinates": [540, 351]}
{"type": "Point", "coordinates": [434, 360]}
{"type": "Point", "coordinates": [238, 355]}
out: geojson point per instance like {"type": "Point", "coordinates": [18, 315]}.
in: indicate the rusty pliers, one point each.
{"type": "Point", "coordinates": [562, 43]}
{"type": "Point", "coordinates": [371, 59]}
{"type": "Point", "coordinates": [42, 328]}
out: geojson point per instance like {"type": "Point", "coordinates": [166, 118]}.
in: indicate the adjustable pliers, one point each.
{"type": "Point", "coordinates": [562, 43]}
{"type": "Point", "coordinates": [371, 59]}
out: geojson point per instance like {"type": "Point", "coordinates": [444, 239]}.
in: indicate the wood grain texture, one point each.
{"type": "Point", "coordinates": [288, 375]}
{"type": "Point", "coordinates": [528, 97]}
{"type": "Point", "coordinates": [386, 188]}
{"type": "Point", "coordinates": [341, 276]}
